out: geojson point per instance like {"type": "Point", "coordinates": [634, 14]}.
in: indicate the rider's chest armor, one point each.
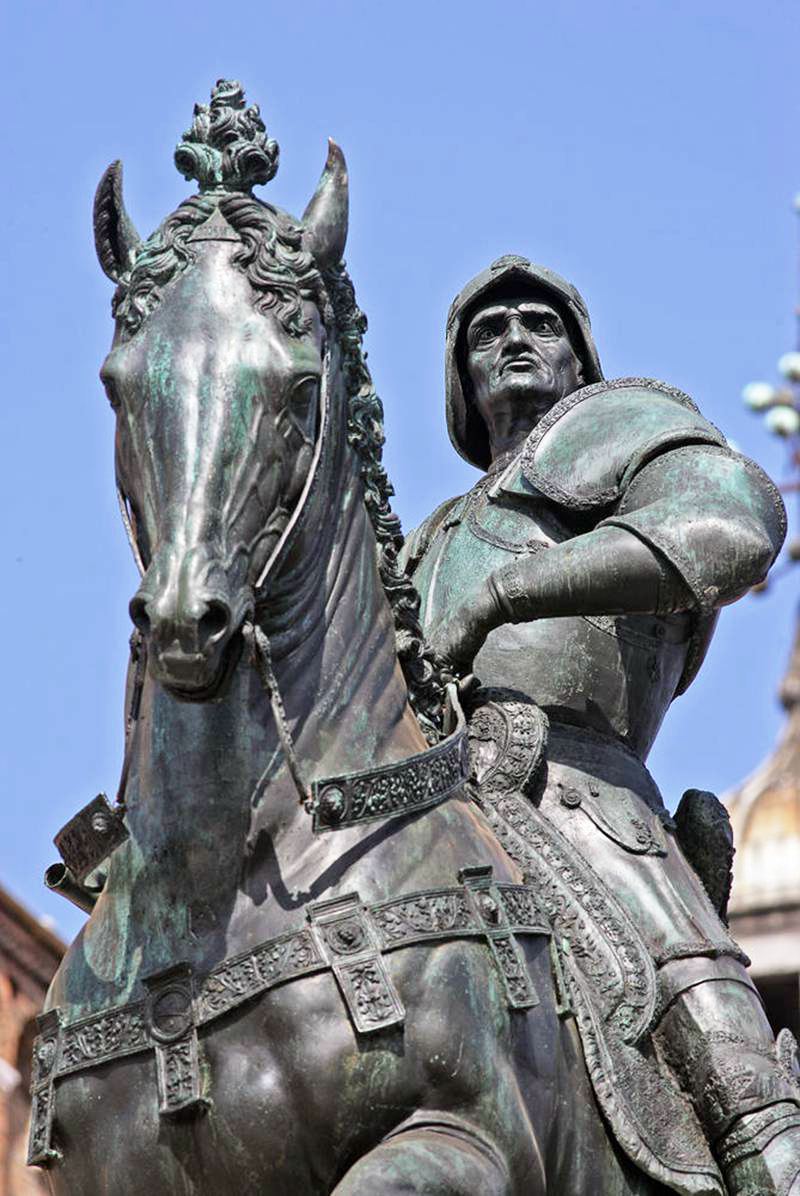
{"type": "Point", "coordinates": [615, 673]}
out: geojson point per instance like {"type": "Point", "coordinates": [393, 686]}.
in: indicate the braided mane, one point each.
{"type": "Point", "coordinates": [227, 150]}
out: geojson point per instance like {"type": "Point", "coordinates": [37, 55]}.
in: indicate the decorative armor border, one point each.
{"type": "Point", "coordinates": [578, 905]}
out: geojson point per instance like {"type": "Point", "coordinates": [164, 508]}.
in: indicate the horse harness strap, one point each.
{"type": "Point", "coordinates": [262, 659]}
{"type": "Point", "coordinates": [343, 936]}
{"type": "Point", "coordinates": [415, 783]}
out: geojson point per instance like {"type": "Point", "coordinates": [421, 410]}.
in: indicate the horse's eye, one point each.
{"type": "Point", "coordinates": [303, 404]}
{"type": "Point", "coordinates": [304, 394]}
{"type": "Point", "coordinates": [112, 393]}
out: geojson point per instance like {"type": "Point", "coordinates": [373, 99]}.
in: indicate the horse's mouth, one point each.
{"type": "Point", "coordinates": [192, 677]}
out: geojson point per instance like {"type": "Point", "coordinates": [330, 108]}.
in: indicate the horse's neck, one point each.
{"type": "Point", "coordinates": [207, 780]}
{"type": "Point", "coordinates": [333, 639]}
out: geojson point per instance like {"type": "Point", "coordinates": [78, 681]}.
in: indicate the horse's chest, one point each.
{"type": "Point", "coordinates": [271, 1077]}
{"type": "Point", "coordinates": [295, 1095]}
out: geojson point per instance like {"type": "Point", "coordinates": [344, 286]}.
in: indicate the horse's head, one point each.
{"type": "Point", "coordinates": [216, 375]}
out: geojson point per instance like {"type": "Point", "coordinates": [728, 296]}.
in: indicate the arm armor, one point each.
{"type": "Point", "coordinates": [639, 454]}
{"type": "Point", "coordinates": [712, 514]}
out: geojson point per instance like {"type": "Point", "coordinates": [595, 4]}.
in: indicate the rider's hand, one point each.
{"type": "Point", "coordinates": [460, 635]}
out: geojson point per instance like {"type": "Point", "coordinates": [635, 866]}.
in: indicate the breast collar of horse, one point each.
{"type": "Point", "coordinates": [404, 787]}
{"type": "Point", "coordinates": [342, 936]}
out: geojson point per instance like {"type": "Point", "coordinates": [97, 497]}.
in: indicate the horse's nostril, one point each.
{"type": "Point", "coordinates": [214, 621]}
{"type": "Point", "coordinates": [139, 615]}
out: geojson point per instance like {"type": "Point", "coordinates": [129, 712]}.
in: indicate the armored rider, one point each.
{"type": "Point", "coordinates": [582, 577]}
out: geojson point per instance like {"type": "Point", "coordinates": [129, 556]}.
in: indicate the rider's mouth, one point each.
{"type": "Point", "coordinates": [519, 365]}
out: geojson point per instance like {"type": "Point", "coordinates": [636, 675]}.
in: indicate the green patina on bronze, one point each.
{"type": "Point", "coordinates": [458, 989]}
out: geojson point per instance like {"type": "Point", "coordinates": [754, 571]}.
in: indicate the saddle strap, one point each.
{"type": "Point", "coordinates": [343, 936]}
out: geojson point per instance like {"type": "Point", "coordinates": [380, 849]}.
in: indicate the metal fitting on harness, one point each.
{"type": "Point", "coordinates": [174, 1035]}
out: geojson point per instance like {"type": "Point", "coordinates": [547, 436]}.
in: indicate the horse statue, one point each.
{"type": "Point", "coordinates": [310, 965]}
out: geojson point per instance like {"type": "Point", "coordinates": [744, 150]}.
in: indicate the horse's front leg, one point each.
{"type": "Point", "coordinates": [432, 1155]}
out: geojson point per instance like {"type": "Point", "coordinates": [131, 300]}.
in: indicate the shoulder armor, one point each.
{"type": "Point", "coordinates": [583, 453]}
{"type": "Point", "coordinates": [417, 542]}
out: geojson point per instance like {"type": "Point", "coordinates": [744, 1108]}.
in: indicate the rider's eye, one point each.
{"type": "Point", "coordinates": [547, 326]}
{"type": "Point", "coordinates": [483, 335]}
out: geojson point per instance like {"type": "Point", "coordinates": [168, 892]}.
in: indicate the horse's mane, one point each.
{"type": "Point", "coordinates": [282, 274]}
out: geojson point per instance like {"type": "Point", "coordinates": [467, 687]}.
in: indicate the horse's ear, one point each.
{"type": "Point", "coordinates": [325, 218]}
{"type": "Point", "coordinates": [115, 238]}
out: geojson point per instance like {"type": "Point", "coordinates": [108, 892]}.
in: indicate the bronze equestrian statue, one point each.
{"type": "Point", "coordinates": [326, 953]}
{"type": "Point", "coordinates": [584, 573]}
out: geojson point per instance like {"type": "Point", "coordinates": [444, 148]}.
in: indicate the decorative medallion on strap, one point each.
{"type": "Point", "coordinates": [41, 1152]}
{"type": "Point", "coordinates": [347, 940]}
{"type": "Point", "coordinates": [174, 1035]}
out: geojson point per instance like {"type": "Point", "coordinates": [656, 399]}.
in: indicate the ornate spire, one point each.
{"type": "Point", "coordinates": [227, 147]}
{"type": "Point", "coordinates": [789, 691]}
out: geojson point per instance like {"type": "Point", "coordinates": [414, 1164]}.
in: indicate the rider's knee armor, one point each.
{"type": "Point", "coordinates": [715, 1035]}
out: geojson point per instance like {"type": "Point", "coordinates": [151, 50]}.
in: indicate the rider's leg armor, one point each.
{"type": "Point", "coordinates": [717, 1038]}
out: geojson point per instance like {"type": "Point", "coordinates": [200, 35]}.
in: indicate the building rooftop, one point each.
{"type": "Point", "coordinates": [765, 813]}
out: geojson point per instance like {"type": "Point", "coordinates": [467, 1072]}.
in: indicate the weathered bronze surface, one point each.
{"type": "Point", "coordinates": [322, 957]}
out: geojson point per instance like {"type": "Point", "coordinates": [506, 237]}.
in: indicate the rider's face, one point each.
{"type": "Point", "coordinates": [519, 359]}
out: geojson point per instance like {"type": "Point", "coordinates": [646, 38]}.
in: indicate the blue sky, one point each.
{"type": "Point", "coordinates": [646, 150]}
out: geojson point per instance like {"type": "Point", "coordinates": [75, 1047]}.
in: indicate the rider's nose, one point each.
{"type": "Point", "coordinates": [516, 333]}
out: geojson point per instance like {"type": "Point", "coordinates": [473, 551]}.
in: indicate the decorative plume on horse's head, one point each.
{"type": "Point", "coordinates": [228, 151]}
{"type": "Point", "coordinates": [227, 147]}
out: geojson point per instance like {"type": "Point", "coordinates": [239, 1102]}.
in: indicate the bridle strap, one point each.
{"type": "Point", "coordinates": [323, 417]}
{"type": "Point", "coordinates": [129, 532]}
{"type": "Point", "coordinates": [139, 664]}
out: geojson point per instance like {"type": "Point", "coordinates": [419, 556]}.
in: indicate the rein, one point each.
{"type": "Point", "coordinates": [261, 659]}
